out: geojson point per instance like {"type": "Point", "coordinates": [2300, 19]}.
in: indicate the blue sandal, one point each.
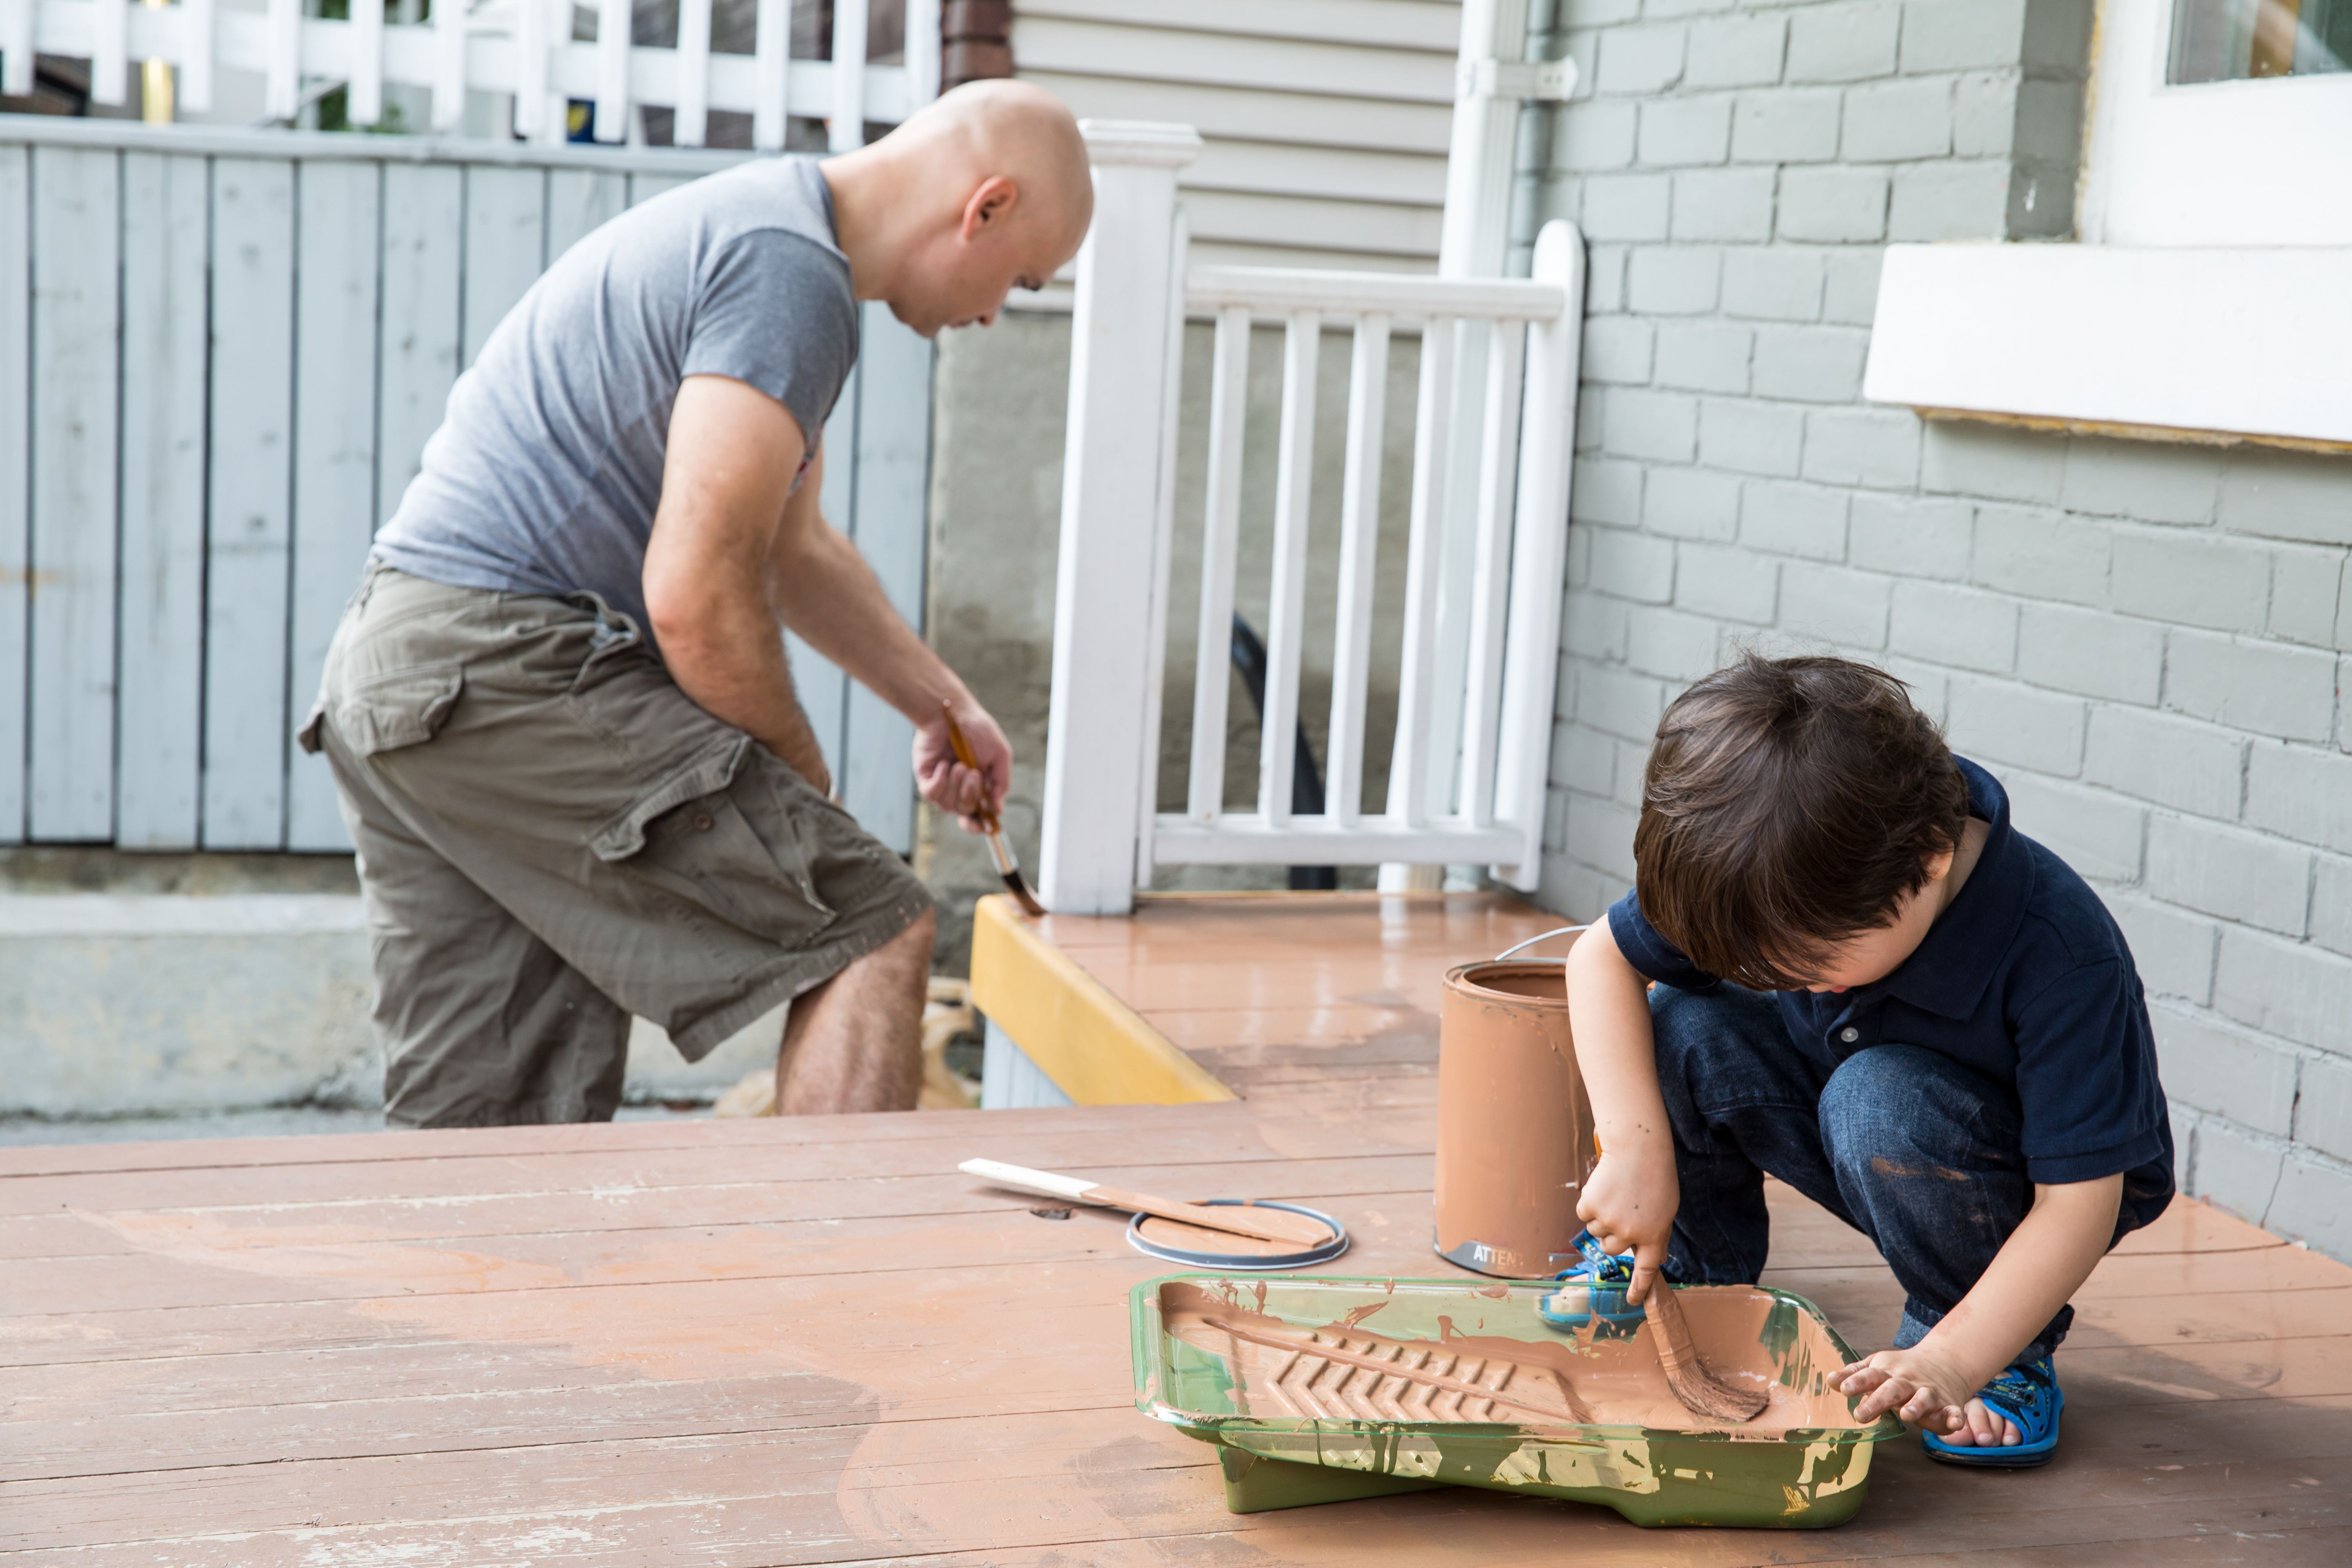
{"type": "Point", "coordinates": [1594, 1290]}
{"type": "Point", "coordinates": [2028, 1397]}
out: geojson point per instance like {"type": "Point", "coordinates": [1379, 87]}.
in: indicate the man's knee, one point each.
{"type": "Point", "coordinates": [920, 933]}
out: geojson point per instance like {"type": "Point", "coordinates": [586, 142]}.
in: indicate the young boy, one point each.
{"type": "Point", "coordinates": [1871, 986]}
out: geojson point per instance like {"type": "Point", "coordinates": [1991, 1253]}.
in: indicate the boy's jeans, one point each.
{"type": "Point", "coordinates": [1919, 1154]}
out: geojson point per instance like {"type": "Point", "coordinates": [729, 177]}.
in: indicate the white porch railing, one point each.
{"type": "Point", "coordinates": [1466, 782]}
{"type": "Point", "coordinates": [518, 47]}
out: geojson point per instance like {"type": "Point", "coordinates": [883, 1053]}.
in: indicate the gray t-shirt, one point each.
{"type": "Point", "coordinates": [545, 472]}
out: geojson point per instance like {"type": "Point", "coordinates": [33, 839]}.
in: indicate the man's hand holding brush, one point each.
{"type": "Point", "coordinates": [973, 791]}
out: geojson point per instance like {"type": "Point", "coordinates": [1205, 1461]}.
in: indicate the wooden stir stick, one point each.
{"type": "Point", "coordinates": [1265, 1224]}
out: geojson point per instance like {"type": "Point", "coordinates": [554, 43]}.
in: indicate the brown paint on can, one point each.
{"type": "Point", "coordinates": [1513, 1129]}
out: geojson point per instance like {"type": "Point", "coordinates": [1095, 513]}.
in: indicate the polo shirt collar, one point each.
{"type": "Point", "coordinates": [1947, 974]}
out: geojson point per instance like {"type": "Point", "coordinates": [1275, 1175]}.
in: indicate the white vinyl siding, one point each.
{"type": "Point", "coordinates": [1325, 121]}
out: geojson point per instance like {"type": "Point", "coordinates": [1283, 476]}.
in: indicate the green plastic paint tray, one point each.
{"type": "Point", "coordinates": [1315, 1389]}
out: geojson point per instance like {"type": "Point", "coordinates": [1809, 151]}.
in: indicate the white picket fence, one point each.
{"type": "Point", "coordinates": [520, 47]}
{"type": "Point", "coordinates": [221, 353]}
{"type": "Point", "coordinates": [1466, 782]}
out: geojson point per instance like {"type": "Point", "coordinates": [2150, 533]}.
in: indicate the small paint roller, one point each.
{"type": "Point", "coordinates": [1236, 1219]}
{"type": "Point", "coordinates": [1006, 865]}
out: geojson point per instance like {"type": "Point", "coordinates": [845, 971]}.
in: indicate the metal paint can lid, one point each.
{"type": "Point", "coordinates": [1201, 1249]}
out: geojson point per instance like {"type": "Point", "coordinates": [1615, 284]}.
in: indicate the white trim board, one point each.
{"type": "Point", "coordinates": [2189, 344]}
{"type": "Point", "coordinates": [2227, 163]}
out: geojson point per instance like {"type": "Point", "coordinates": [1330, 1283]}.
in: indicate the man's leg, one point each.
{"type": "Point", "coordinates": [855, 1042]}
{"type": "Point", "coordinates": [480, 1023]}
{"type": "Point", "coordinates": [1741, 1101]}
{"type": "Point", "coordinates": [1930, 1162]}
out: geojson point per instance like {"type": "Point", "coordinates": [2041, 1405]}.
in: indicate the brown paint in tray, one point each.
{"type": "Point", "coordinates": [1316, 1389]}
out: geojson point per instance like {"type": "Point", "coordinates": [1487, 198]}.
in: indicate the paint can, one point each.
{"type": "Point", "coordinates": [1513, 1129]}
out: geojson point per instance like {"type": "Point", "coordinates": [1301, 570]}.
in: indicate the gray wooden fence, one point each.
{"type": "Point", "coordinates": [221, 353]}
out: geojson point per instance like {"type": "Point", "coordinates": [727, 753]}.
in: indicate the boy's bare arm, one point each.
{"type": "Point", "coordinates": [2043, 1262]}
{"type": "Point", "coordinates": [1629, 1203]}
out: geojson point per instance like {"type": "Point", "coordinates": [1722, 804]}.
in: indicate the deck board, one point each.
{"type": "Point", "coordinates": [814, 1341]}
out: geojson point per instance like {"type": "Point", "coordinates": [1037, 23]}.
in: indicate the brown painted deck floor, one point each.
{"type": "Point", "coordinates": [814, 1342]}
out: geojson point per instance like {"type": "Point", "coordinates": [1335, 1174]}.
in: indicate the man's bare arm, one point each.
{"type": "Point", "coordinates": [732, 452]}
{"type": "Point", "coordinates": [826, 591]}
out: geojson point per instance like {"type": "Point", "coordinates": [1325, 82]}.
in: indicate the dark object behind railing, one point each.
{"type": "Point", "coordinates": [1306, 778]}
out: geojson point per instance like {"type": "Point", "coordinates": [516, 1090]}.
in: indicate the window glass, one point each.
{"type": "Point", "coordinates": [2234, 40]}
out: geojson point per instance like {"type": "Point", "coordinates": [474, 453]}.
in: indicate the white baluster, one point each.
{"type": "Point", "coordinates": [613, 70]}
{"type": "Point", "coordinates": [364, 101]}
{"type": "Point", "coordinates": [693, 107]}
{"type": "Point", "coordinates": [922, 53]}
{"type": "Point", "coordinates": [195, 56]}
{"type": "Point", "coordinates": [848, 126]}
{"type": "Point", "coordinates": [110, 51]}
{"type": "Point", "coordinates": [448, 65]}
{"type": "Point", "coordinates": [1286, 633]}
{"type": "Point", "coordinates": [532, 108]}
{"type": "Point", "coordinates": [1119, 342]}
{"type": "Point", "coordinates": [771, 69]}
{"type": "Point", "coordinates": [281, 93]}
{"type": "Point", "coordinates": [1220, 539]}
{"type": "Point", "coordinates": [1163, 530]}
{"type": "Point", "coordinates": [1539, 550]}
{"type": "Point", "coordinates": [1408, 768]}
{"type": "Point", "coordinates": [16, 59]}
{"type": "Point", "coordinates": [1490, 572]}
{"type": "Point", "coordinates": [1360, 532]}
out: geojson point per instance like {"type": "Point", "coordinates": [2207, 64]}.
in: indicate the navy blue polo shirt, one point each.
{"type": "Point", "coordinates": [2024, 978]}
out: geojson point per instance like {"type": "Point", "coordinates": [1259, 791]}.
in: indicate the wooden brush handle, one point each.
{"type": "Point", "coordinates": [1266, 1225]}
{"type": "Point", "coordinates": [963, 753]}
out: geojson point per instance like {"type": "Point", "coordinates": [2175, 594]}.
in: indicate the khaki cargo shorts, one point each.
{"type": "Point", "coordinates": [553, 836]}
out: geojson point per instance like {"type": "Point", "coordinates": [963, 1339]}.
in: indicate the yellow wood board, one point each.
{"type": "Point", "coordinates": [1092, 1045]}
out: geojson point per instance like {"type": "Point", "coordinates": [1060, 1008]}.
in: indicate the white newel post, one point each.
{"type": "Point", "coordinates": [1540, 551]}
{"type": "Point", "coordinates": [1128, 277]}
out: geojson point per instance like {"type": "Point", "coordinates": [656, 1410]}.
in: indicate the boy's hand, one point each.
{"type": "Point", "coordinates": [1921, 1387]}
{"type": "Point", "coordinates": [1629, 1205]}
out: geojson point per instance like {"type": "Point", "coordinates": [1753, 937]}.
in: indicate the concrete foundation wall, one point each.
{"type": "Point", "coordinates": [169, 985]}
{"type": "Point", "coordinates": [2146, 642]}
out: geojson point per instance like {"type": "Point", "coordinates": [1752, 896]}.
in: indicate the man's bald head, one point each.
{"type": "Point", "coordinates": [986, 190]}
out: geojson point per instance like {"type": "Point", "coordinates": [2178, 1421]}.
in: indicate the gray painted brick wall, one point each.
{"type": "Point", "coordinates": [2147, 643]}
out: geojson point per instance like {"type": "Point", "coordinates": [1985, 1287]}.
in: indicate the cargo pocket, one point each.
{"type": "Point", "coordinates": [688, 837]}
{"type": "Point", "coordinates": [406, 707]}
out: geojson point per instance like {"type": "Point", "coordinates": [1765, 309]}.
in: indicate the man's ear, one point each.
{"type": "Point", "coordinates": [991, 203]}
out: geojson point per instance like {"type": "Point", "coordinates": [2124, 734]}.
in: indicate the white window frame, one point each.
{"type": "Point", "coordinates": [2204, 303]}
{"type": "Point", "coordinates": [2204, 163]}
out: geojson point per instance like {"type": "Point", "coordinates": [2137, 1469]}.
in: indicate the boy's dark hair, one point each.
{"type": "Point", "coordinates": [1791, 803]}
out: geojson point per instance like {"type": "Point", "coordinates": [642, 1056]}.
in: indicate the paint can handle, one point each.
{"type": "Point", "coordinates": [1547, 936]}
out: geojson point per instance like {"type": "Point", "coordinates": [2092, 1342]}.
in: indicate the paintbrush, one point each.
{"type": "Point", "coordinates": [1006, 865]}
{"type": "Point", "coordinates": [1264, 1224]}
{"type": "Point", "coordinates": [1693, 1382]}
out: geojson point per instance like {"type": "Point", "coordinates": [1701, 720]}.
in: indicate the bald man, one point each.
{"type": "Point", "coordinates": [558, 709]}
